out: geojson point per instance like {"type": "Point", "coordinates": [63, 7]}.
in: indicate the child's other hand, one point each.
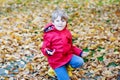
{"type": "Point", "coordinates": [50, 52]}
{"type": "Point", "coordinates": [85, 54]}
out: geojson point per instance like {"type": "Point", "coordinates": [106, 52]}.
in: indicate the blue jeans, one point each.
{"type": "Point", "coordinates": [75, 62]}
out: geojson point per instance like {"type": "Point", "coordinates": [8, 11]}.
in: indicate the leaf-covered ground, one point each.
{"type": "Point", "coordinates": [95, 26]}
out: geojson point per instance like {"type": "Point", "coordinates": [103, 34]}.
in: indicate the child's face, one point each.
{"type": "Point", "coordinates": [59, 23]}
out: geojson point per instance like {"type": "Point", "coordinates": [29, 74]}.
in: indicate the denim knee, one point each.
{"type": "Point", "coordinates": [78, 62]}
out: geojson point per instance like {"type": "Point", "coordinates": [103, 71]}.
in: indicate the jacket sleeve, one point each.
{"type": "Point", "coordinates": [77, 51]}
{"type": "Point", "coordinates": [45, 45]}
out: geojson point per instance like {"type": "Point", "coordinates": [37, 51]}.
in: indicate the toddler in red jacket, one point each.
{"type": "Point", "coordinates": [58, 48]}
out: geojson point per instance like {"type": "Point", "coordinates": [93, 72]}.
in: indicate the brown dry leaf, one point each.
{"type": "Point", "coordinates": [29, 66]}
{"type": "Point", "coordinates": [37, 59]}
{"type": "Point", "coordinates": [117, 12]}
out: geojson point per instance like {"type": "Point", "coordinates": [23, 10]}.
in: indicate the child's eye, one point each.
{"type": "Point", "coordinates": [57, 20]}
{"type": "Point", "coordinates": [63, 20]}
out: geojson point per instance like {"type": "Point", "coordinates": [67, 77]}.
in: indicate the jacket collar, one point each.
{"type": "Point", "coordinates": [50, 27]}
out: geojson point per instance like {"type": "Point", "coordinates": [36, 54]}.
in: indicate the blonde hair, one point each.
{"type": "Point", "coordinates": [61, 13]}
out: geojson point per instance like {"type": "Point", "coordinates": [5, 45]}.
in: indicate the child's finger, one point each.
{"type": "Point", "coordinates": [53, 50]}
{"type": "Point", "coordinates": [46, 49]}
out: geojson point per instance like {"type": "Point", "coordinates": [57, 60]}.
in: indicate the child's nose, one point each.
{"type": "Point", "coordinates": [60, 22]}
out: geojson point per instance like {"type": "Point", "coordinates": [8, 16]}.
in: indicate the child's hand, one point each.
{"type": "Point", "coordinates": [84, 54]}
{"type": "Point", "coordinates": [50, 52]}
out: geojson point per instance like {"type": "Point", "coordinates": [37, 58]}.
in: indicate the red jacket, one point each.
{"type": "Point", "coordinates": [61, 41]}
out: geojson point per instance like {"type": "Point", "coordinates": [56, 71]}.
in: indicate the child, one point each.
{"type": "Point", "coordinates": [58, 48]}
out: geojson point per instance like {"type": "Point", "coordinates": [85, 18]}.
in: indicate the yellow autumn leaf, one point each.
{"type": "Point", "coordinates": [93, 46]}
{"type": "Point", "coordinates": [103, 78]}
{"type": "Point", "coordinates": [92, 30]}
{"type": "Point", "coordinates": [27, 41]}
{"type": "Point", "coordinates": [37, 43]}
{"type": "Point", "coordinates": [2, 2]}
{"type": "Point", "coordinates": [85, 45]}
{"type": "Point", "coordinates": [75, 5]}
{"type": "Point", "coordinates": [11, 58]}
{"type": "Point", "coordinates": [75, 35]}
{"type": "Point", "coordinates": [111, 46]}
{"type": "Point", "coordinates": [15, 36]}
{"type": "Point", "coordinates": [37, 20]}
{"type": "Point", "coordinates": [102, 28]}
{"type": "Point", "coordinates": [113, 39]}
{"type": "Point", "coordinates": [2, 56]}
{"type": "Point", "coordinates": [2, 34]}
{"type": "Point", "coordinates": [20, 26]}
